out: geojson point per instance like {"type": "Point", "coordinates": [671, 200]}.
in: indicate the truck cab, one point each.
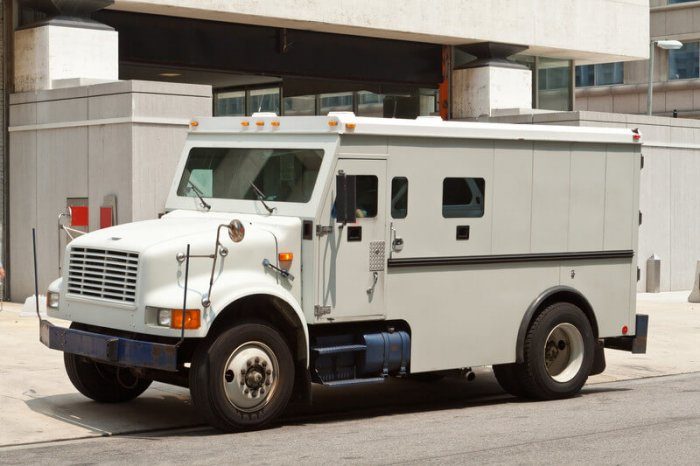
{"type": "Point", "coordinates": [339, 250]}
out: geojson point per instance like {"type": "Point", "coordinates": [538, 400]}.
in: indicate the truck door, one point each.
{"type": "Point", "coordinates": [352, 256]}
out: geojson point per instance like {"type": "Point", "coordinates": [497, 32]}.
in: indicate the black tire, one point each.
{"type": "Point", "coordinates": [103, 382]}
{"type": "Point", "coordinates": [533, 374]}
{"type": "Point", "coordinates": [508, 378]}
{"type": "Point", "coordinates": [210, 373]}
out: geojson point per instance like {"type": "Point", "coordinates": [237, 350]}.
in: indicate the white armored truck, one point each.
{"type": "Point", "coordinates": [341, 250]}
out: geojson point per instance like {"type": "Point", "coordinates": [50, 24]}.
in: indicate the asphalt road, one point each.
{"type": "Point", "coordinates": [647, 421]}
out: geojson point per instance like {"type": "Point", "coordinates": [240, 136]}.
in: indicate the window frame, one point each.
{"type": "Point", "coordinates": [483, 195]}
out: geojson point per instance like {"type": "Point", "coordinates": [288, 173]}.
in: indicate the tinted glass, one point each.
{"type": "Point", "coordinates": [399, 197]}
{"type": "Point", "coordinates": [463, 197]}
{"type": "Point", "coordinates": [684, 63]}
{"type": "Point", "coordinates": [283, 175]}
{"type": "Point", "coordinates": [366, 204]}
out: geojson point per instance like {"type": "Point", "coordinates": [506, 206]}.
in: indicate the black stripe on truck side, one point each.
{"type": "Point", "coordinates": [509, 258]}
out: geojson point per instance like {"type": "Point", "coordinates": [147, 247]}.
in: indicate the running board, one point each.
{"type": "Point", "coordinates": [339, 349]}
{"type": "Point", "coordinates": [342, 383]}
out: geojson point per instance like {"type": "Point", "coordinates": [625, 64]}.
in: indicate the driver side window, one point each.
{"type": "Point", "coordinates": [366, 187]}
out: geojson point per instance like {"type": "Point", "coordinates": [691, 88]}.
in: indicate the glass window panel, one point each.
{"type": "Point", "coordinates": [671, 2]}
{"type": "Point", "coordinates": [684, 63]}
{"type": "Point", "coordinates": [336, 102]}
{"type": "Point", "coordinates": [585, 75]}
{"type": "Point", "coordinates": [283, 175]}
{"type": "Point", "coordinates": [366, 196]}
{"type": "Point", "coordinates": [399, 197]}
{"type": "Point", "coordinates": [264, 100]}
{"type": "Point", "coordinates": [463, 197]}
{"type": "Point", "coordinates": [609, 73]}
{"type": "Point", "coordinates": [301, 105]}
{"type": "Point", "coordinates": [370, 104]}
{"type": "Point", "coordinates": [428, 102]}
{"type": "Point", "coordinates": [230, 103]}
{"type": "Point", "coordinates": [554, 84]}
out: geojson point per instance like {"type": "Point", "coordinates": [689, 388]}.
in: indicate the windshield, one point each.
{"type": "Point", "coordinates": [281, 175]}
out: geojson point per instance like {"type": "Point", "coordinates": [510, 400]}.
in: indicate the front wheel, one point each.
{"type": "Point", "coordinates": [559, 350]}
{"type": "Point", "coordinates": [244, 379]}
{"type": "Point", "coordinates": [103, 382]}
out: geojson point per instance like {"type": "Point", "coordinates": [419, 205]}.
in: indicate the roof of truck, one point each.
{"type": "Point", "coordinates": [348, 123]}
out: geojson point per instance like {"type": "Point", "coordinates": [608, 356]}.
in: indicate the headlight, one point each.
{"type": "Point", "coordinates": [52, 300]}
{"type": "Point", "coordinates": [165, 317]}
{"type": "Point", "coordinates": [173, 318]}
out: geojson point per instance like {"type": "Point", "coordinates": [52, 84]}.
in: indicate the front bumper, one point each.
{"type": "Point", "coordinates": [636, 344]}
{"type": "Point", "coordinates": [110, 349]}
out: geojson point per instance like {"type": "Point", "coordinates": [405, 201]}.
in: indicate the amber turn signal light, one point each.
{"type": "Point", "coordinates": [286, 257]}
{"type": "Point", "coordinates": [192, 319]}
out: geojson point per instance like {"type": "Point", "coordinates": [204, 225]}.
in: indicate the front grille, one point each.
{"type": "Point", "coordinates": [99, 273]}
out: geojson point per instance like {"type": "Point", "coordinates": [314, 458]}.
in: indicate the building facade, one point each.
{"type": "Point", "coordinates": [621, 87]}
{"type": "Point", "coordinates": [101, 91]}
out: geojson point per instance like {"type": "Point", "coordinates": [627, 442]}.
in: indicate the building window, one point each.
{"type": "Point", "coordinates": [399, 197]}
{"type": "Point", "coordinates": [264, 100]}
{"type": "Point", "coordinates": [230, 103]}
{"type": "Point", "coordinates": [684, 63]}
{"type": "Point", "coordinates": [463, 197]}
{"type": "Point", "coordinates": [554, 84]}
{"type": "Point", "coordinates": [604, 74]}
{"type": "Point", "coordinates": [671, 2]}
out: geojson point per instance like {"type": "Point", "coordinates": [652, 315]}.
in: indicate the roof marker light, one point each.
{"type": "Point", "coordinates": [245, 123]}
{"type": "Point", "coordinates": [275, 123]}
{"type": "Point", "coordinates": [624, 330]}
{"type": "Point", "coordinates": [194, 123]}
{"type": "Point", "coordinates": [350, 125]}
{"type": "Point", "coordinates": [332, 123]}
{"type": "Point", "coordinates": [260, 123]}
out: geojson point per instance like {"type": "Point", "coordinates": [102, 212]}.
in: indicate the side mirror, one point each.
{"type": "Point", "coordinates": [345, 198]}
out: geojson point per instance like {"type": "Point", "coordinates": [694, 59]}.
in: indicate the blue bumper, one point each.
{"type": "Point", "coordinates": [110, 349]}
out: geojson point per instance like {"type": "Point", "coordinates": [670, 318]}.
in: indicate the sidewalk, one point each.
{"type": "Point", "coordinates": [39, 404]}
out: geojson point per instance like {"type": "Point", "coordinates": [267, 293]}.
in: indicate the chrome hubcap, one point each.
{"type": "Point", "coordinates": [250, 376]}
{"type": "Point", "coordinates": [563, 352]}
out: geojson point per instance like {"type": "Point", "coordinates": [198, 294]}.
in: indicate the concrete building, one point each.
{"type": "Point", "coordinates": [78, 137]}
{"type": "Point", "coordinates": [619, 87]}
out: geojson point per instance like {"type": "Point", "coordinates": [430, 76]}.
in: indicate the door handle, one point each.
{"type": "Point", "coordinates": [375, 277]}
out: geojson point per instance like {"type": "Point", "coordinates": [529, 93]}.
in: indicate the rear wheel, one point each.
{"type": "Point", "coordinates": [558, 353]}
{"type": "Point", "coordinates": [244, 379]}
{"type": "Point", "coordinates": [103, 382]}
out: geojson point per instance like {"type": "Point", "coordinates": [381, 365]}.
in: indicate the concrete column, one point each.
{"type": "Point", "coordinates": [490, 82]}
{"type": "Point", "coordinates": [120, 139]}
{"type": "Point", "coordinates": [65, 47]}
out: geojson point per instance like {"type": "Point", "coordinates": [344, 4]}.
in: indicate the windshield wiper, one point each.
{"type": "Point", "coordinates": [199, 194]}
{"type": "Point", "coordinates": [261, 198]}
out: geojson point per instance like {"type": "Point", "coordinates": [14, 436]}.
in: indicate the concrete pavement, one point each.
{"type": "Point", "coordinates": [645, 421]}
{"type": "Point", "coordinates": [38, 403]}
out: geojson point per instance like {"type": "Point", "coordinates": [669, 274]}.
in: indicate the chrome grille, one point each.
{"type": "Point", "coordinates": [100, 273]}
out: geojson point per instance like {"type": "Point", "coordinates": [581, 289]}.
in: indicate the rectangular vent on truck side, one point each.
{"type": "Point", "coordinates": [100, 273]}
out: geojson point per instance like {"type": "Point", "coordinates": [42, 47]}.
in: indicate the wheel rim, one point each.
{"type": "Point", "coordinates": [563, 352]}
{"type": "Point", "coordinates": [250, 376]}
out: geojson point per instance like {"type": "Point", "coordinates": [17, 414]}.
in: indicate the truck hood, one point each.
{"type": "Point", "coordinates": [177, 226]}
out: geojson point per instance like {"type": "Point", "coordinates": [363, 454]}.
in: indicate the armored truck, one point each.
{"type": "Point", "coordinates": [340, 250]}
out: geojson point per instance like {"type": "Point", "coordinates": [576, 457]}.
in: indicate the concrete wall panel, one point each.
{"type": "Point", "coordinates": [685, 222]}
{"type": "Point", "coordinates": [23, 210]}
{"type": "Point", "coordinates": [153, 175]}
{"type": "Point", "coordinates": [654, 202]}
{"type": "Point", "coordinates": [62, 172]}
